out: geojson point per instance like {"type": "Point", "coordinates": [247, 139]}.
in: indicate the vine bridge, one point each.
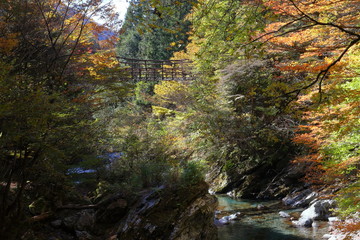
{"type": "Point", "coordinates": [156, 70]}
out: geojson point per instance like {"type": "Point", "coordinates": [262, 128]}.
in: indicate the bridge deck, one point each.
{"type": "Point", "coordinates": [156, 70]}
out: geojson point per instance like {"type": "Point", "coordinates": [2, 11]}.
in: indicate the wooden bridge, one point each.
{"type": "Point", "coordinates": [156, 70]}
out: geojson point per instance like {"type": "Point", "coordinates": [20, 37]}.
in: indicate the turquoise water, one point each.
{"type": "Point", "coordinates": [267, 226]}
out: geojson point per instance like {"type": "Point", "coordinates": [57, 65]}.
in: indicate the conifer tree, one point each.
{"type": "Point", "coordinates": [154, 29]}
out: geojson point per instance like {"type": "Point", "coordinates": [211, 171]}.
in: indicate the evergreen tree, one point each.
{"type": "Point", "coordinates": [154, 29]}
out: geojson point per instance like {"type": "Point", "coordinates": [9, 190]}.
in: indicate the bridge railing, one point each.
{"type": "Point", "coordinates": [156, 70]}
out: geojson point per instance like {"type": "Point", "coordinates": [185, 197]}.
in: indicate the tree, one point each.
{"type": "Point", "coordinates": [221, 30]}
{"type": "Point", "coordinates": [46, 114]}
{"type": "Point", "coordinates": [319, 33]}
{"type": "Point", "coordinates": [154, 29]}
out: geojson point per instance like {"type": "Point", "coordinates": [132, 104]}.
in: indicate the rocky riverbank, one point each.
{"type": "Point", "coordinates": [259, 219]}
{"type": "Point", "coordinates": [258, 181]}
{"type": "Point", "coordinates": [174, 213]}
{"type": "Point", "coordinates": [282, 182]}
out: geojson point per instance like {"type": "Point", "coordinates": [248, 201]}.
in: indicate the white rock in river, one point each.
{"type": "Point", "coordinates": [234, 216]}
{"type": "Point", "coordinates": [260, 207]}
{"type": "Point", "coordinates": [224, 220]}
{"type": "Point", "coordinates": [212, 192]}
{"type": "Point", "coordinates": [284, 214]}
{"type": "Point", "coordinates": [303, 222]}
{"type": "Point", "coordinates": [327, 236]}
{"type": "Point", "coordinates": [231, 194]}
{"type": "Point", "coordinates": [333, 219]}
{"type": "Point", "coordinates": [317, 211]}
{"type": "Point", "coordinates": [227, 219]}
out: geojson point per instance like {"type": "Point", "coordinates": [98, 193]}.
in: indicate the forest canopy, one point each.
{"type": "Point", "coordinates": [275, 83]}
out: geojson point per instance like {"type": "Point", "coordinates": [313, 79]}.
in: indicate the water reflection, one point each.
{"type": "Point", "coordinates": [244, 231]}
{"type": "Point", "coordinates": [265, 226]}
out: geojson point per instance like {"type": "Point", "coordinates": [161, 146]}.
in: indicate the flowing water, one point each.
{"type": "Point", "coordinates": [264, 226]}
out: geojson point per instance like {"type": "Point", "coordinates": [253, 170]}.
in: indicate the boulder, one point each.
{"type": "Point", "coordinates": [56, 223]}
{"type": "Point", "coordinates": [218, 183]}
{"type": "Point", "coordinates": [322, 209]}
{"type": "Point", "coordinates": [327, 236]}
{"type": "Point", "coordinates": [303, 222]}
{"type": "Point", "coordinates": [83, 235]}
{"type": "Point", "coordinates": [294, 215]}
{"type": "Point", "coordinates": [300, 198]}
{"type": "Point", "coordinates": [112, 212]}
{"type": "Point", "coordinates": [196, 216]}
{"type": "Point", "coordinates": [246, 180]}
{"type": "Point", "coordinates": [173, 214]}
{"type": "Point", "coordinates": [333, 220]}
{"type": "Point", "coordinates": [85, 221]}
{"type": "Point", "coordinates": [222, 221]}
{"type": "Point", "coordinates": [70, 222]}
{"type": "Point", "coordinates": [234, 216]}
{"type": "Point", "coordinates": [306, 200]}
{"type": "Point", "coordinates": [261, 207]}
{"type": "Point", "coordinates": [227, 219]}
{"type": "Point", "coordinates": [80, 221]}
{"type": "Point", "coordinates": [284, 214]}
{"type": "Point", "coordinates": [319, 210]}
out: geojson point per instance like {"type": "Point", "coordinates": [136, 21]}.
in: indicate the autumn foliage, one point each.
{"type": "Point", "coordinates": [312, 49]}
{"type": "Point", "coordinates": [313, 36]}
{"type": "Point", "coordinates": [277, 81]}
{"type": "Point", "coordinates": [319, 41]}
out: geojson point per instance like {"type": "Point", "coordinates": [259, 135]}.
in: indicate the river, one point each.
{"type": "Point", "coordinates": [264, 226]}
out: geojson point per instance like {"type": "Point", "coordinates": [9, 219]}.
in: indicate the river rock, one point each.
{"type": "Point", "coordinates": [306, 201]}
{"type": "Point", "coordinates": [300, 198]}
{"type": "Point", "coordinates": [83, 235]}
{"type": "Point", "coordinates": [111, 211]}
{"type": "Point", "coordinates": [176, 214]}
{"type": "Point", "coordinates": [70, 221]}
{"type": "Point", "coordinates": [244, 181]}
{"type": "Point", "coordinates": [261, 207]}
{"type": "Point", "coordinates": [227, 219]}
{"type": "Point", "coordinates": [85, 221]}
{"type": "Point", "coordinates": [232, 194]}
{"type": "Point", "coordinates": [234, 216]}
{"type": "Point", "coordinates": [222, 221]}
{"type": "Point", "coordinates": [286, 180]}
{"type": "Point", "coordinates": [56, 223]}
{"type": "Point", "coordinates": [303, 222]}
{"type": "Point", "coordinates": [218, 180]}
{"type": "Point", "coordinates": [327, 236]}
{"type": "Point", "coordinates": [320, 210]}
{"type": "Point", "coordinates": [323, 208]}
{"type": "Point", "coordinates": [333, 220]}
{"type": "Point", "coordinates": [284, 214]}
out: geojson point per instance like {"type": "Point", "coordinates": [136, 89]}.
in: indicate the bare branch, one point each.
{"type": "Point", "coordinates": [322, 74]}
{"type": "Point", "coordinates": [322, 23]}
